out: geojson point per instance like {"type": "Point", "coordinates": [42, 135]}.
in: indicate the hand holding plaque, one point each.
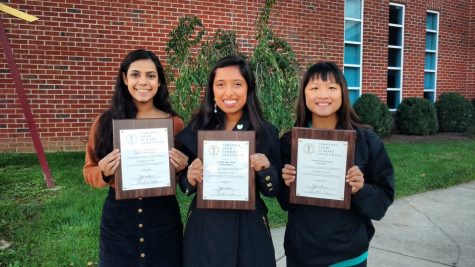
{"type": "Point", "coordinates": [322, 158]}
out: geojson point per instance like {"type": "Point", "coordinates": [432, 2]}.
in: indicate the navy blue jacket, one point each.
{"type": "Point", "coordinates": [318, 236]}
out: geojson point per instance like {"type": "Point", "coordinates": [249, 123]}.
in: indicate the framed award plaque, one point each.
{"type": "Point", "coordinates": [145, 169]}
{"type": "Point", "coordinates": [321, 158]}
{"type": "Point", "coordinates": [228, 178]}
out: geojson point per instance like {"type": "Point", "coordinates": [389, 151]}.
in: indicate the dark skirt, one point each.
{"type": "Point", "coordinates": [145, 232]}
{"type": "Point", "coordinates": [228, 238]}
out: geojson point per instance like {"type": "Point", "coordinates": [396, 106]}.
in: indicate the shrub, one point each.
{"type": "Point", "coordinates": [471, 126]}
{"type": "Point", "coordinates": [454, 112]}
{"type": "Point", "coordinates": [373, 112]}
{"type": "Point", "coordinates": [416, 116]}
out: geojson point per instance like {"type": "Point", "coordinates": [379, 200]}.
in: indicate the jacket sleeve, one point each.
{"type": "Point", "coordinates": [91, 171]}
{"type": "Point", "coordinates": [184, 142]}
{"type": "Point", "coordinates": [377, 194]}
{"type": "Point", "coordinates": [268, 180]}
{"type": "Point", "coordinates": [285, 145]}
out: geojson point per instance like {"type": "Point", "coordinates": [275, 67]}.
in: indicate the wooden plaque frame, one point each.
{"type": "Point", "coordinates": [228, 136]}
{"type": "Point", "coordinates": [142, 124]}
{"type": "Point", "coordinates": [323, 134]}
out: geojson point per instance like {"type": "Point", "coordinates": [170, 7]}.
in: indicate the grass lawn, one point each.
{"type": "Point", "coordinates": [60, 227]}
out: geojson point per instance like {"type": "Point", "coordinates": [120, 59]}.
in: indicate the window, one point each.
{"type": "Point", "coordinates": [353, 47]}
{"type": "Point", "coordinates": [430, 67]}
{"type": "Point", "coordinates": [395, 55]}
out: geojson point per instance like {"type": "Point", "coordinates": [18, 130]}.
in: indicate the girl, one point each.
{"type": "Point", "coordinates": [231, 237]}
{"type": "Point", "coordinates": [317, 236]}
{"type": "Point", "coordinates": [138, 232]}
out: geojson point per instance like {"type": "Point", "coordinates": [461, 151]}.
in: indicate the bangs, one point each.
{"type": "Point", "coordinates": [325, 72]}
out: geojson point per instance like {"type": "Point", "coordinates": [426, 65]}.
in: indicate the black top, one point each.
{"type": "Point", "coordinates": [215, 237]}
{"type": "Point", "coordinates": [318, 236]}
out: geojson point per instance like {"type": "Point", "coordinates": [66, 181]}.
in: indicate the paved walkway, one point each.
{"type": "Point", "coordinates": [435, 228]}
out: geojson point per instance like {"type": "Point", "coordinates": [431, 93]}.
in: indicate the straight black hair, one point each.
{"type": "Point", "coordinates": [206, 119]}
{"type": "Point", "coordinates": [122, 104]}
{"type": "Point", "coordinates": [327, 70]}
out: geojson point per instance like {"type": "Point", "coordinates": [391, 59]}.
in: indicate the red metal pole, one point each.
{"type": "Point", "coordinates": [7, 50]}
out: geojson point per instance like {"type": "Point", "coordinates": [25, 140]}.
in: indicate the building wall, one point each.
{"type": "Point", "coordinates": [69, 58]}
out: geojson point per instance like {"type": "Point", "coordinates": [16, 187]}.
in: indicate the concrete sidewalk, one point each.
{"type": "Point", "coordinates": [435, 228]}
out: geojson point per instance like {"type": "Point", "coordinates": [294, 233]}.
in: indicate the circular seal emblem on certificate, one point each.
{"type": "Point", "coordinates": [308, 148]}
{"type": "Point", "coordinates": [131, 139]}
{"type": "Point", "coordinates": [213, 150]}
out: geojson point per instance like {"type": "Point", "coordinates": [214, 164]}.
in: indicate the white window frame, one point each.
{"type": "Point", "coordinates": [360, 43]}
{"type": "Point", "coordinates": [401, 47]}
{"type": "Point", "coordinates": [436, 51]}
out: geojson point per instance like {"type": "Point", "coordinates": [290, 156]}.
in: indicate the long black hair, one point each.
{"type": "Point", "coordinates": [206, 119]}
{"type": "Point", "coordinates": [123, 106]}
{"type": "Point", "coordinates": [327, 70]}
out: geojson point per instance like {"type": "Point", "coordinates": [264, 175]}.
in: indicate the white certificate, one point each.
{"type": "Point", "coordinates": [226, 170]}
{"type": "Point", "coordinates": [321, 168]}
{"type": "Point", "coordinates": [144, 158]}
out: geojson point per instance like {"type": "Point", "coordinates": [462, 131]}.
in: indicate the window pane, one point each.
{"type": "Point", "coordinates": [429, 96]}
{"type": "Point", "coordinates": [429, 80]}
{"type": "Point", "coordinates": [395, 36]}
{"type": "Point", "coordinates": [431, 40]}
{"type": "Point", "coordinates": [431, 23]}
{"type": "Point", "coordinates": [430, 61]}
{"type": "Point", "coordinates": [394, 79]}
{"type": "Point", "coordinates": [395, 14]}
{"type": "Point", "coordinates": [352, 54]}
{"type": "Point", "coordinates": [394, 57]}
{"type": "Point", "coordinates": [353, 9]}
{"type": "Point", "coordinates": [352, 75]}
{"type": "Point", "coordinates": [392, 99]}
{"type": "Point", "coordinates": [354, 95]}
{"type": "Point", "coordinates": [352, 31]}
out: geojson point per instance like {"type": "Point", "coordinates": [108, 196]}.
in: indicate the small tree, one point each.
{"type": "Point", "coordinates": [276, 70]}
{"type": "Point", "coordinates": [273, 62]}
{"type": "Point", "coordinates": [190, 60]}
{"type": "Point", "coordinates": [374, 112]}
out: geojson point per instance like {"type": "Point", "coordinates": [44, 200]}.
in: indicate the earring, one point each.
{"type": "Point", "coordinates": [215, 109]}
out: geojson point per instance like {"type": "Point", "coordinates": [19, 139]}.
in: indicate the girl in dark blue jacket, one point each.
{"type": "Point", "coordinates": [319, 236]}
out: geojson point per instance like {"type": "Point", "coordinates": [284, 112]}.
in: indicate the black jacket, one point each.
{"type": "Point", "coordinates": [224, 238]}
{"type": "Point", "coordinates": [318, 236]}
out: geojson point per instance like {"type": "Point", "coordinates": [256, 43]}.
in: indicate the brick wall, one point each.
{"type": "Point", "coordinates": [470, 76]}
{"type": "Point", "coordinates": [69, 58]}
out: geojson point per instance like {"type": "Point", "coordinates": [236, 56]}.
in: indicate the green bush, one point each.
{"type": "Point", "coordinates": [454, 112]}
{"type": "Point", "coordinates": [373, 112]}
{"type": "Point", "coordinates": [416, 116]}
{"type": "Point", "coordinates": [471, 126]}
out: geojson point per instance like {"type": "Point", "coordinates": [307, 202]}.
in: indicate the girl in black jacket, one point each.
{"type": "Point", "coordinates": [319, 236]}
{"type": "Point", "coordinates": [231, 238]}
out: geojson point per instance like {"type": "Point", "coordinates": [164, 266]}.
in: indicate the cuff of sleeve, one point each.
{"type": "Point", "coordinates": [361, 195]}
{"type": "Point", "coordinates": [267, 181]}
{"type": "Point", "coordinates": [185, 186]}
{"type": "Point", "coordinates": [106, 179]}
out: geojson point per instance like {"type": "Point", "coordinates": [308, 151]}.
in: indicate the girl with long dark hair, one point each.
{"type": "Point", "coordinates": [136, 232]}
{"type": "Point", "coordinates": [318, 236]}
{"type": "Point", "coordinates": [215, 237]}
